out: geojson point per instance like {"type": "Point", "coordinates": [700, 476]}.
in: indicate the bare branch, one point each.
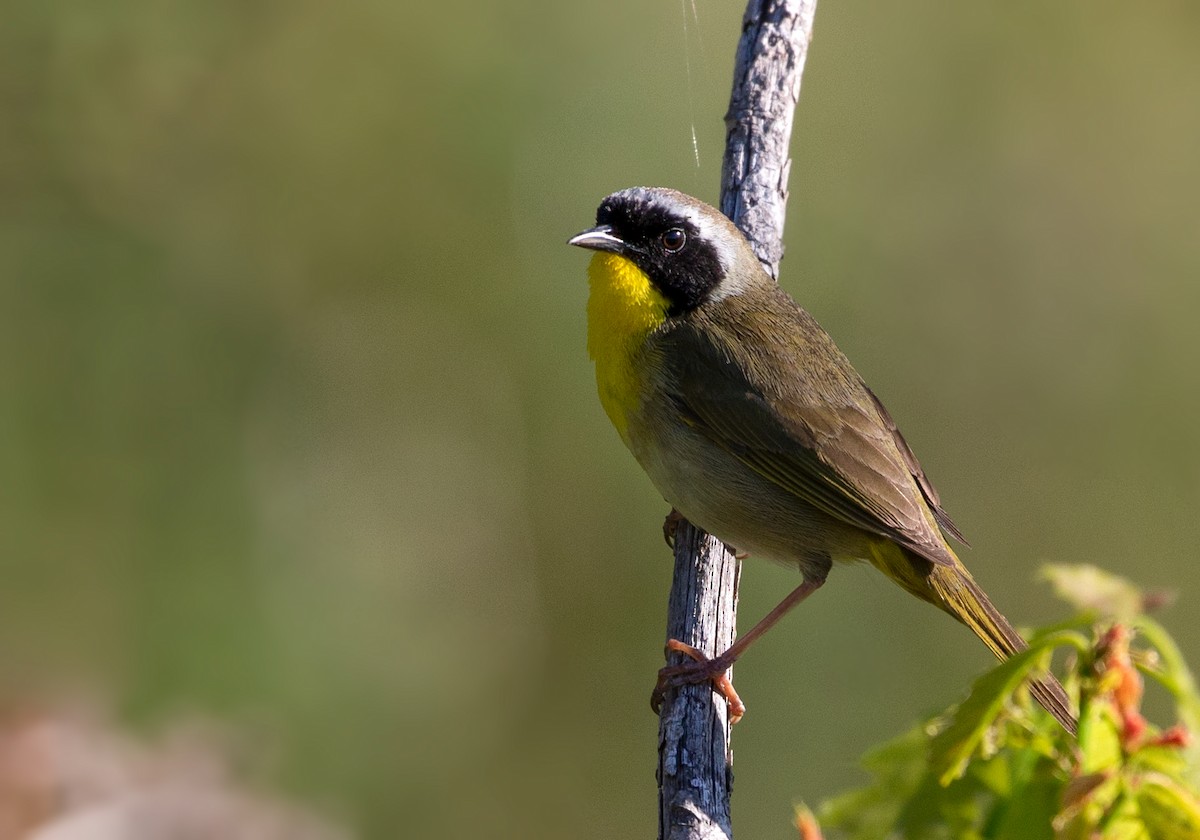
{"type": "Point", "coordinates": [766, 87]}
{"type": "Point", "coordinates": [695, 758]}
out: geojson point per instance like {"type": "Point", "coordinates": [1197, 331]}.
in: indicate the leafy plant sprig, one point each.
{"type": "Point", "coordinates": [998, 767]}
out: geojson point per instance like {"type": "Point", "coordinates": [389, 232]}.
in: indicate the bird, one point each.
{"type": "Point", "coordinates": [754, 426]}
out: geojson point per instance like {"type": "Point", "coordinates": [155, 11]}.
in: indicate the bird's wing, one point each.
{"type": "Point", "coordinates": [918, 473]}
{"type": "Point", "coordinates": [818, 435]}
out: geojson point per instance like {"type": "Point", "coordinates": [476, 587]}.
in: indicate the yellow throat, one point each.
{"type": "Point", "coordinates": [623, 308]}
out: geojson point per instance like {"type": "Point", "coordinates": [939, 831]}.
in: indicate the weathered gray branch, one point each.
{"type": "Point", "coordinates": [695, 758]}
{"type": "Point", "coordinates": [766, 87]}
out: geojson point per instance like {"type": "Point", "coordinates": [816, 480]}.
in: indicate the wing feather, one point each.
{"type": "Point", "coordinates": [821, 435]}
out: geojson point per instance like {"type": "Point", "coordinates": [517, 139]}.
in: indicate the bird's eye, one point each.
{"type": "Point", "coordinates": [674, 239]}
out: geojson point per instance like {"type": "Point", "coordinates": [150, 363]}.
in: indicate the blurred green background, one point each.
{"type": "Point", "coordinates": [297, 429]}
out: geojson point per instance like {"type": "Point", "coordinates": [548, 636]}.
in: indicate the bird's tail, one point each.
{"type": "Point", "coordinates": [958, 594]}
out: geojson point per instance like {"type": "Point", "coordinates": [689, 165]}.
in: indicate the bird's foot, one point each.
{"type": "Point", "coordinates": [671, 525]}
{"type": "Point", "coordinates": [701, 669]}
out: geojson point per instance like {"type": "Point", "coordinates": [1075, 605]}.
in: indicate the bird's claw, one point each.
{"type": "Point", "coordinates": [670, 526]}
{"type": "Point", "coordinates": [700, 669]}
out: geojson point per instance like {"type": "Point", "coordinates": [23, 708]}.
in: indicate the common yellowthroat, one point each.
{"type": "Point", "coordinates": [753, 424]}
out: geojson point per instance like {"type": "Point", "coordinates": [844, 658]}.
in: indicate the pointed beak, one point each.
{"type": "Point", "coordinates": [598, 239]}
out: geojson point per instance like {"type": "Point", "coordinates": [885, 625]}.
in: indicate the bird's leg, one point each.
{"type": "Point", "coordinates": [703, 669]}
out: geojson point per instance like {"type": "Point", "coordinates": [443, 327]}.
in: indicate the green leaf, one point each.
{"type": "Point", "coordinates": [1087, 805]}
{"type": "Point", "coordinates": [953, 811]}
{"type": "Point", "coordinates": [1029, 813]}
{"type": "Point", "coordinates": [1178, 679]}
{"type": "Point", "coordinates": [1175, 674]}
{"type": "Point", "coordinates": [1171, 761]}
{"type": "Point", "coordinates": [1099, 739]}
{"type": "Point", "coordinates": [953, 747]}
{"type": "Point", "coordinates": [1095, 591]}
{"type": "Point", "coordinates": [871, 812]}
{"type": "Point", "coordinates": [1168, 809]}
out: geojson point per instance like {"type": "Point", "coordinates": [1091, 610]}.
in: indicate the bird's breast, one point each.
{"type": "Point", "coordinates": [723, 495]}
{"type": "Point", "coordinates": [624, 307]}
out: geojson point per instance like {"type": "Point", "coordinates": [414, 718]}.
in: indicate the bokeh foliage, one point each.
{"type": "Point", "coordinates": [996, 767]}
{"type": "Point", "coordinates": [297, 429]}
